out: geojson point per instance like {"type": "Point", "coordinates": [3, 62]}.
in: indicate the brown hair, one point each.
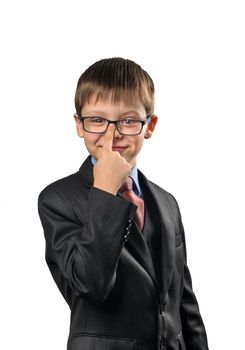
{"type": "Point", "coordinates": [119, 78]}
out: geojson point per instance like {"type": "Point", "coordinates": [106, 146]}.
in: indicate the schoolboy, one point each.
{"type": "Point", "coordinates": [117, 253]}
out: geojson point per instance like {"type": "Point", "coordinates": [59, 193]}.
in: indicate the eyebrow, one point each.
{"type": "Point", "coordinates": [130, 113]}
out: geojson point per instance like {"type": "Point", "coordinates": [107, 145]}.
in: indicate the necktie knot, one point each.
{"type": "Point", "coordinates": [127, 186]}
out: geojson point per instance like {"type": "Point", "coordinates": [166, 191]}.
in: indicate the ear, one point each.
{"type": "Point", "coordinates": [79, 125]}
{"type": "Point", "coordinates": [151, 126]}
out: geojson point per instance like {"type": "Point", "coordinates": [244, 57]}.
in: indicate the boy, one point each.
{"type": "Point", "coordinates": [114, 240]}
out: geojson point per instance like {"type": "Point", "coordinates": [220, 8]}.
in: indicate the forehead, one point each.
{"type": "Point", "coordinates": [106, 103]}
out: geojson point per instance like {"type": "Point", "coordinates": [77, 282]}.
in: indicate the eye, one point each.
{"type": "Point", "coordinates": [128, 122]}
{"type": "Point", "coordinates": [96, 120]}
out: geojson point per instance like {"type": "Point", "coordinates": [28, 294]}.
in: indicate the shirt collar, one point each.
{"type": "Point", "coordinates": [133, 174]}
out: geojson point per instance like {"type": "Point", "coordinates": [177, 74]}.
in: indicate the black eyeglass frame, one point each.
{"type": "Point", "coordinates": [116, 122]}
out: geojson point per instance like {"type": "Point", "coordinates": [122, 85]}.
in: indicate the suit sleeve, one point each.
{"type": "Point", "coordinates": [192, 325]}
{"type": "Point", "coordinates": [83, 252]}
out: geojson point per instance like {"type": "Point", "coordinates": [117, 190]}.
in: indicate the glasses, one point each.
{"type": "Point", "coordinates": [127, 126]}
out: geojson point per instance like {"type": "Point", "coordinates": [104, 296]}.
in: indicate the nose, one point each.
{"type": "Point", "coordinates": [117, 134]}
{"type": "Point", "coordinates": [115, 130]}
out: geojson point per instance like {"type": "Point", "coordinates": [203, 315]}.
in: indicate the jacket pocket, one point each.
{"type": "Point", "coordinates": [98, 342]}
{"type": "Point", "coordinates": [181, 341]}
{"type": "Point", "coordinates": [178, 240]}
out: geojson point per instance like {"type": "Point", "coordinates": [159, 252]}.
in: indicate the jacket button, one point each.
{"type": "Point", "coordinates": [163, 344]}
{"type": "Point", "coordinates": [162, 309]}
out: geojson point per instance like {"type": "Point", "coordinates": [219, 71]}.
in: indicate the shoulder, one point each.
{"type": "Point", "coordinates": [64, 198]}
{"type": "Point", "coordinates": [62, 184]}
{"type": "Point", "coordinates": [165, 194]}
{"type": "Point", "coordinates": [71, 185]}
{"type": "Point", "coordinates": [159, 189]}
{"type": "Point", "coordinates": [60, 190]}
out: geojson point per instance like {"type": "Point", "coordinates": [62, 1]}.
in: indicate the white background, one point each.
{"type": "Point", "coordinates": [194, 51]}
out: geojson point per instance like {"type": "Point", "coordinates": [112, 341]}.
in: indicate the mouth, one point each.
{"type": "Point", "coordinates": [115, 148]}
{"type": "Point", "coordinates": [119, 149]}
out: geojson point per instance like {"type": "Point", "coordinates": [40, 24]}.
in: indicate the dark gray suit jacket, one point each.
{"type": "Point", "coordinates": [102, 265]}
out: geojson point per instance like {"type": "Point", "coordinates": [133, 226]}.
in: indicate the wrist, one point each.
{"type": "Point", "coordinates": [105, 187]}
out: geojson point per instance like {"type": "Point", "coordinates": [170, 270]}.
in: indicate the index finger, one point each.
{"type": "Point", "coordinates": [108, 139]}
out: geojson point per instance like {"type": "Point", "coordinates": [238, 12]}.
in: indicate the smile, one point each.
{"type": "Point", "coordinates": [118, 149]}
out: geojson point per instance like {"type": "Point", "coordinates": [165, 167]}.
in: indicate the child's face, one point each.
{"type": "Point", "coordinates": [127, 146]}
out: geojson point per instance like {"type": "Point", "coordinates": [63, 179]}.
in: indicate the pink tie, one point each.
{"type": "Point", "coordinates": [127, 192]}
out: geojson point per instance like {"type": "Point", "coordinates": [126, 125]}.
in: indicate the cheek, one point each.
{"type": "Point", "coordinates": [93, 139]}
{"type": "Point", "coordinates": [140, 141]}
{"type": "Point", "coordinates": [137, 144]}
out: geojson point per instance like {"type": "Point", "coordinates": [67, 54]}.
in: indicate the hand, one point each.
{"type": "Point", "coordinates": [111, 169]}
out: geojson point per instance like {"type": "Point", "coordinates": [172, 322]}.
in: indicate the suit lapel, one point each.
{"type": "Point", "coordinates": [138, 248]}
{"type": "Point", "coordinates": [164, 223]}
{"type": "Point", "coordinates": [86, 171]}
